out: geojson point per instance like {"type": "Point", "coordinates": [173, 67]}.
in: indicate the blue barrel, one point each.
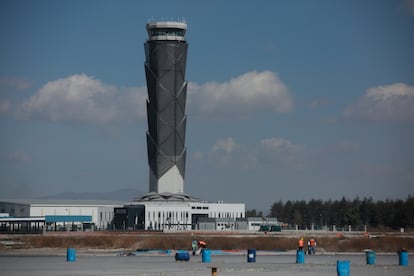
{"type": "Point", "coordinates": [251, 255]}
{"type": "Point", "coordinates": [182, 256]}
{"type": "Point", "coordinates": [206, 256]}
{"type": "Point", "coordinates": [403, 258]}
{"type": "Point", "coordinates": [342, 268]}
{"type": "Point", "coordinates": [370, 257]}
{"type": "Point", "coordinates": [71, 255]}
{"type": "Point", "coordinates": [300, 256]}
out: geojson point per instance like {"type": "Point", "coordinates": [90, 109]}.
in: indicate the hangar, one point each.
{"type": "Point", "coordinates": [29, 215]}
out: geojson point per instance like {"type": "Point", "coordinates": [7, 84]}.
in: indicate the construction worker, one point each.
{"type": "Point", "coordinates": [194, 246]}
{"type": "Point", "coordinates": [202, 245]}
{"type": "Point", "coordinates": [301, 244]}
{"type": "Point", "coordinates": [313, 246]}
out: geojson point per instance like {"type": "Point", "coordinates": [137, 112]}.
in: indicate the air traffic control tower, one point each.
{"type": "Point", "coordinates": [166, 55]}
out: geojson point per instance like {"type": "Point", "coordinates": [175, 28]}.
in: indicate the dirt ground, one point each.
{"type": "Point", "coordinates": [277, 241]}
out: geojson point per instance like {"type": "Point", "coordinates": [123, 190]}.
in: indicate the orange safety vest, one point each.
{"type": "Point", "coordinates": [300, 243]}
{"type": "Point", "coordinates": [312, 242]}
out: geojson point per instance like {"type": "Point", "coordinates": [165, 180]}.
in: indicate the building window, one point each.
{"type": "Point", "coordinates": [167, 31]}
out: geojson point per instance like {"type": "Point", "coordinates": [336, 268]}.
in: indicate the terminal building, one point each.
{"type": "Point", "coordinates": [159, 212]}
{"type": "Point", "coordinates": [168, 211]}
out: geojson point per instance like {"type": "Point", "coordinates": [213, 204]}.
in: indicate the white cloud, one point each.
{"type": "Point", "coordinates": [278, 144]}
{"type": "Point", "coordinates": [223, 153]}
{"type": "Point", "coordinates": [280, 151]}
{"type": "Point", "coordinates": [226, 145]}
{"type": "Point", "coordinates": [83, 99]}
{"type": "Point", "coordinates": [389, 103]}
{"type": "Point", "coordinates": [227, 153]}
{"type": "Point", "coordinates": [241, 96]}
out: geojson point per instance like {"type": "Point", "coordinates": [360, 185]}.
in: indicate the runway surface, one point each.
{"type": "Point", "coordinates": [166, 265]}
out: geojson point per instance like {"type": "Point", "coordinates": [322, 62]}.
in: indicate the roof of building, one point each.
{"type": "Point", "coordinates": [166, 197]}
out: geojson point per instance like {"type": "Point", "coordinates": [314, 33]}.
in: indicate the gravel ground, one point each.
{"type": "Point", "coordinates": [267, 263]}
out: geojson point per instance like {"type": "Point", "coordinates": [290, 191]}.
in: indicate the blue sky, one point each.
{"type": "Point", "coordinates": [287, 100]}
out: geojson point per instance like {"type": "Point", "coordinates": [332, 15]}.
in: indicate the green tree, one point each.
{"type": "Point", "coordinates": [278, 210]}
{"type": "Point", "coordinates": [391, 214]}
{"type": "Point", "coordinates": [253, 213]}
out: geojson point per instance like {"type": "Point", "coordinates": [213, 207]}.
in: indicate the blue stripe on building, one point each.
{"type": "Point", "coordinates": [68, 218]}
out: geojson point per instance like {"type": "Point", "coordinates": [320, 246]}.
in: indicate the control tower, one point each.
{"type": "Point", "coordinates": [166, 56]}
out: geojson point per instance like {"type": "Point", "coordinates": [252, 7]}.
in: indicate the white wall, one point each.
{"type": "Point", "coordinates": [101, 215]}
{"type": "Point", "coordinates": [219, 210]}
{"type": "Point", "coordinates": [172, 215]}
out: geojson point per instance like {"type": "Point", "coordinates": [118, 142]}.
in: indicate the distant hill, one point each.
{"type": "Point", "coordinates": [117, 195]}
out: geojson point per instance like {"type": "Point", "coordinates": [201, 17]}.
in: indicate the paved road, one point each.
{"type": "Point", "coordinates": [283, 264]}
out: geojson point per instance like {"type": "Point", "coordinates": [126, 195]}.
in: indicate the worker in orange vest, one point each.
{"type": "Point", "coordinates": [313, 246]}
{"type": "Point", "coordinates": [301, 244]}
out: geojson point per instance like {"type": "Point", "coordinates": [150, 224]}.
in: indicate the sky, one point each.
{"type": "Point", "coordinates": [287, 100]}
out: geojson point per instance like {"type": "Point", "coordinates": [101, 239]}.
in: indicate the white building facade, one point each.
{"type": "Point", "coordinates": [184, 215]}
{"type": "Point", "coordinates": [102, 214]}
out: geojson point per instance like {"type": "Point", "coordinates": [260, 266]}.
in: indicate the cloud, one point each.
{"type": "Point", "coordinates": [278, 144]}
{"type": "Point", "coordinates": [273, 153]}
{"type": "Point", "coordinates": [389, 103]}
{"type": "Point", "coordinates": [83, 99]}
{"type": "Point", "coordinates": [244, 95]}
{"type": "Point", "coordinates": [280, 151]}
{"type": "Point", "coordinates": [12, 89]}
{"type": "Point", "coordinates": [223, 153]}
{"type": "Point", "coordinates": [226, 145]}
{"type": "Point", "coordinates": [80, 98]}
{"type": "Point", "coordinates": [228, 154]}
{"type": "Point", "coordinates": [19, 156]}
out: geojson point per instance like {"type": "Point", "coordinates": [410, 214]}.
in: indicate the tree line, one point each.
{"type": "Point", "coordinates": [381, 214]}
